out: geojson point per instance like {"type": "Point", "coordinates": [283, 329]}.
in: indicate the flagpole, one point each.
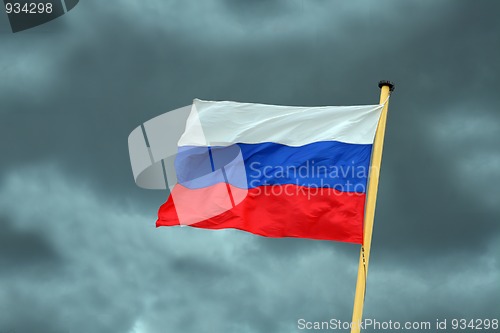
{"type": "Point", "coordinates": [371, 199]}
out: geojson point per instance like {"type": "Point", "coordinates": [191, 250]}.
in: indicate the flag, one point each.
{"type": "Point", "coordinates": [275, 171]}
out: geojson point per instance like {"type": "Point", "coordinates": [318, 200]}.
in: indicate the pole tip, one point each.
{"type": "Point", "coordinates": [386, 83]}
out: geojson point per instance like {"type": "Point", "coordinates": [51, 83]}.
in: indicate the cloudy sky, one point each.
{"type": "Point", "coordinates": [79, 251]}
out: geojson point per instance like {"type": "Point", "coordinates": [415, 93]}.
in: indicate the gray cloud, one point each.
{"type": "Point", "coordinates": [23, 248]}
{"type": "Point", "coordinates": [120, 273]}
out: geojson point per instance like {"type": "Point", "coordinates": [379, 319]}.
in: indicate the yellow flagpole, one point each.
{"type": "Point", "coordinates": [371, 199]}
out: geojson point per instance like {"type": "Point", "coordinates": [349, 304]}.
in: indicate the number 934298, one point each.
{"type": "Point", "coordinates": [28, 8]}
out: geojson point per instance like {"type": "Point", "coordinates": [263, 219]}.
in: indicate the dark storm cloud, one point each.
{"type": "Point", "coordinates": [71, 98]}
{"type": "Point", "coordinates": [114, 274]}
{"type": "Point", "coordinates": [23, 248]}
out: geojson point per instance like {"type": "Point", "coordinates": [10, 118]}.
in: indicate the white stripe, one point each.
{"type": "Point", "coordinates": [226, 123]}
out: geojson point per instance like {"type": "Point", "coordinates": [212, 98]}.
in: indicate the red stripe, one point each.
{"type": "Point", "coordinates": [271, 211]}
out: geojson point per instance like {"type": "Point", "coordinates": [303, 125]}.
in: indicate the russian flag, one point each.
{"type": "Point", "coordinates": [275, 171]}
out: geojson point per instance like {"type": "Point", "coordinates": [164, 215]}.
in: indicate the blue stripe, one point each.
{"type": "Point", "coordinates": [332, 164]}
